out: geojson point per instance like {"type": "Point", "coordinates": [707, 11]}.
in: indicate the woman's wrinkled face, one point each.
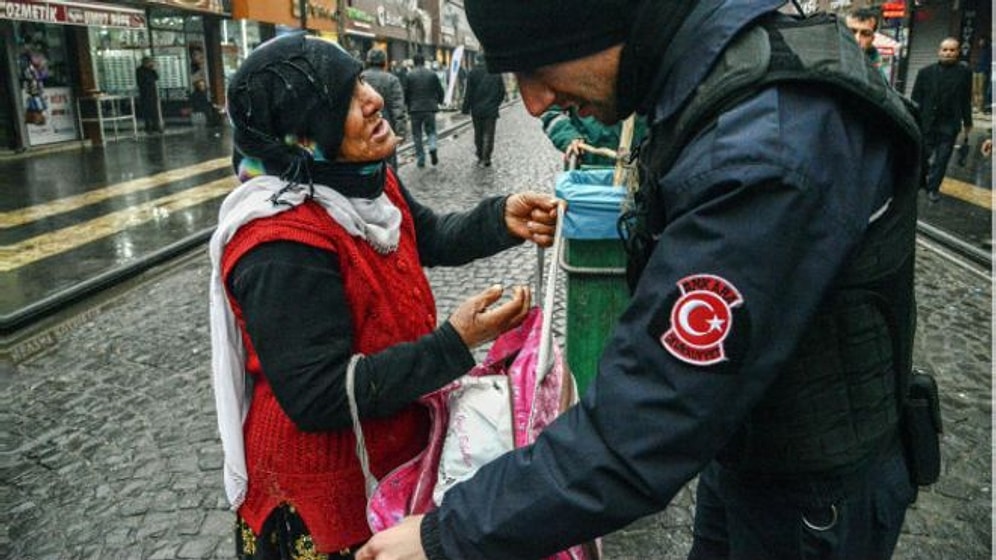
{"type": "Point", "coordinates": [366, 136]}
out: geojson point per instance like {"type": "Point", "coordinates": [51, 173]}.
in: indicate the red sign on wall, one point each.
{"type": "Point", "coordinates": [893, 10]}
{"type": "Point", "coordinates": [72, 13]}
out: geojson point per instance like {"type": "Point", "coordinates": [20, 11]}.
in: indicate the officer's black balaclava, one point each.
{"type": "Point", "coordinates": [290, 90]}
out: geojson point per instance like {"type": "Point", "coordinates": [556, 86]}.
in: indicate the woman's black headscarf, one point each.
{"type": "Point", "coordinates": [291, 91]}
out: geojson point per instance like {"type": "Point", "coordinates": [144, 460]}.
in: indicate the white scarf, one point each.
{"type": "Point", "coordinates": [377, 221]}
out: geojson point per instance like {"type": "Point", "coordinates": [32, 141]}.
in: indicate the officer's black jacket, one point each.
{"type": "Point", "coordinates": [773, 200]}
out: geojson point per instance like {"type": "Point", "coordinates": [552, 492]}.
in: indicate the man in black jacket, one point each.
{"type": "Point", "coordinates": [943, 91]}
{"type": "Point", "coordinates": [485, 93]}
{"type": "Point", "coordinates": [424, 93]}
{"type": "Point", "coordinates": [146, 79]}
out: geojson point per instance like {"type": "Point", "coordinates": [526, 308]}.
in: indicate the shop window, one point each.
{"type": "Point", "coordinates": [44, 82]}
{"type": "Point", "coordinates": [116, 55]}
{"type": "Point", "coordinates": [42, 54]}
{"type": "Point", "coordinates": [238, 37]}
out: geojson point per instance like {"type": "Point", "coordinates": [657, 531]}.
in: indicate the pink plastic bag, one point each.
{"type": "Point", "coordinates": [407, 490]}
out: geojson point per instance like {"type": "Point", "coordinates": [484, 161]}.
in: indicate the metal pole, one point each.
{"type": "Point", "coordinates": [905, 48]}
{"type": "Point", "coordinates": [340, 23]}
{"type": "Point", "coordinates": [303, 6]}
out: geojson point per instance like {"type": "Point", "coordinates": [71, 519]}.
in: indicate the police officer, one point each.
{"type": "Point", "coordinates": [770, 327]}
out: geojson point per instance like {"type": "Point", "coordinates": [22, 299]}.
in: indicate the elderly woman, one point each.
{"type": "Point", "coordinates": [318, 257]}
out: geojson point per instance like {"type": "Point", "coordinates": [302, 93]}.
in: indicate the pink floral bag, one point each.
{"type": "Point", "coordinates": [534, 399]}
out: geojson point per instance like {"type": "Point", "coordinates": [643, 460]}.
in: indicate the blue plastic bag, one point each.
{"type": "Point", "coordinates": [593, 203]}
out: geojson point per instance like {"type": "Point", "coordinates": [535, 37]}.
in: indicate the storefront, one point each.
{"type": "Point", "coordinates": [184, 41]}
{"type": "Point", "coordinates": [43, 41]}
{"type": "Point", "coordinates": [318, 15]}
{"type": "Point", "coordinates": [238, 38]}
{"type": "Point", "coordinates": [68, 57]}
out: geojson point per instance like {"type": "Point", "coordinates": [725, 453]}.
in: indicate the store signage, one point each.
{"type": "Point", "coordinates": [315, 10]}
{"type": "Point", "coordinates": [357, 14]}
{"type": "Point", "coordinates": [72, 13]}
{"type": "Point", "coordinates": [893, 10]}
{"type": "Point", "coordinates": [202, 5]}
{"type": "Point", "coordinates": [385, 18]}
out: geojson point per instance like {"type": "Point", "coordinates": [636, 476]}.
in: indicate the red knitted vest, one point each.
{"type": "Point", "coordinates": [318, 473]}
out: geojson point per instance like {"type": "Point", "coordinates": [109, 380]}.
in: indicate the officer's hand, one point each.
{"type": "Point", "coordinates": [987, 147]}
{"type": "Point", "coordinates": [532, 216]}
{"type": "Point", "coordinates": [401, 542]}
{"type": "Point", "coordinates": [477, 322]}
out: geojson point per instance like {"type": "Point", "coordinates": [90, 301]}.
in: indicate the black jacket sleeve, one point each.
{"type": "Point", "coordinates": [459, 237]}
{"type": "Point", "coordinates": [296, 314]}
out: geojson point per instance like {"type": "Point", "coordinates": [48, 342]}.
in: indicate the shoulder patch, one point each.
{"type": "Point", "coordinates": [701, 319]}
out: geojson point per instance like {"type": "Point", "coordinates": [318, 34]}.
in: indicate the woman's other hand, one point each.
{"type": "Point", "coordinates": [532, 216]}
{"type": "Point", "coordinates": [479, 320]}
{"type": "Point", "coordinates": [401, 542]}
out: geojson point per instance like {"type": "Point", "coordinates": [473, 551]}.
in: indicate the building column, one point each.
{"type": "Point", "coordinates": [15, 104]}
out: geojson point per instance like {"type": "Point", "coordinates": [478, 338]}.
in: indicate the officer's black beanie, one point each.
{"type": "Point", "coordinates": [293, 85]}
{"type": "Point", "coordinates": [521, 35]}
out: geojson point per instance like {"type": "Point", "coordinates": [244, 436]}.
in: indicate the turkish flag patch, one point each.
{"type": "Point", "coordinates": [701, 319]}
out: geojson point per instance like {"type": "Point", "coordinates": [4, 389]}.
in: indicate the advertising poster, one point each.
{"type": "Point", "coordinates": [51, 121]}
{"type": "Point", "coordinates": [453, 74]}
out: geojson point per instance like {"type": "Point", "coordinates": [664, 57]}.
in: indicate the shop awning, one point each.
{"type": "Point", "coordinates": [73, 13]}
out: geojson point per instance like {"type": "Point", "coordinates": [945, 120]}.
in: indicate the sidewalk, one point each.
{"type": "Point", "coordinates": [966, 205]}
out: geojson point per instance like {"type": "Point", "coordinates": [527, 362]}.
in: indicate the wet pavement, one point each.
{"type": "Point", "coordinates": [76, 221]}
{"type": "Point", "coordinates": [968, 221]}
{"type": "Point", "coordinates": [109, 448]}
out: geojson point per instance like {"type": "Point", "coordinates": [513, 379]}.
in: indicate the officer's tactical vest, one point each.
{"type": "Point", "coordinates": [835, 403]}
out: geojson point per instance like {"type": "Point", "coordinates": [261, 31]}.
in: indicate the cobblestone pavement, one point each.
{"type": "Point", "coordinates": [108, 441]}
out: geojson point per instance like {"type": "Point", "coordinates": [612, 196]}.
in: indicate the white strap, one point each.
{"type": "Point", "coordinates": [361, 445]}
{"type": "Point", "coordinates": [544, 361]}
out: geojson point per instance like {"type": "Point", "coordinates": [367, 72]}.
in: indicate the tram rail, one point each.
{"type": "Point", "coordinates": [969, 254]}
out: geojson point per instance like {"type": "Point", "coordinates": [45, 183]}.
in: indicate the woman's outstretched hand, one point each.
{"type": "Point", "coordinates": [532, 216]}
{"type": "Point", "coordinates": [479, 320]}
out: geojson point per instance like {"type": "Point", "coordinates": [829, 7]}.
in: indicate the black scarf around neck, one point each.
{"type": "Point", "coordinates": [655, 24]}
{"type": "Point", "coordinates": [352, 180]}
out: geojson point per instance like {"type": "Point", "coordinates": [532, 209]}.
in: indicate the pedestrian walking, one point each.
{"type": "Point", "coordinates": [308, 260]}
{"type": "Point", "coordinates": [863, 23]}
{"type": "Point", "coordinates": [485, 94]}
{"type": "Point", "coordinates": [424, 93]}
{"type": "Point", "coordinates": [202, 107]}
{"type": "Point", "coordinates": [568, 130]}
{"type": "Point", "coordinates": [390, 89]}
{"type": "Point", "coordinates": [943, 92]}
{"type": "Point", "coordinates": [148, 94]}
{"type": "Point", "coordinates": [982, 75]}
{"type": "Point", "coordinates": [767, 344]}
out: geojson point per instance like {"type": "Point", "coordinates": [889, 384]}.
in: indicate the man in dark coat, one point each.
{"type": "Point", "coordinates": [943, 91]}
{"type": "Point", "coordinates": [389, 87]}
{"type": "Point", "coordinates": [148, 94]}
{"type": "Point", "coordinates": [424, 93]}
{"type": "Point", "coordinates": [769, 332]}
{"type": "Point", "coordinates": [485, 93]}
